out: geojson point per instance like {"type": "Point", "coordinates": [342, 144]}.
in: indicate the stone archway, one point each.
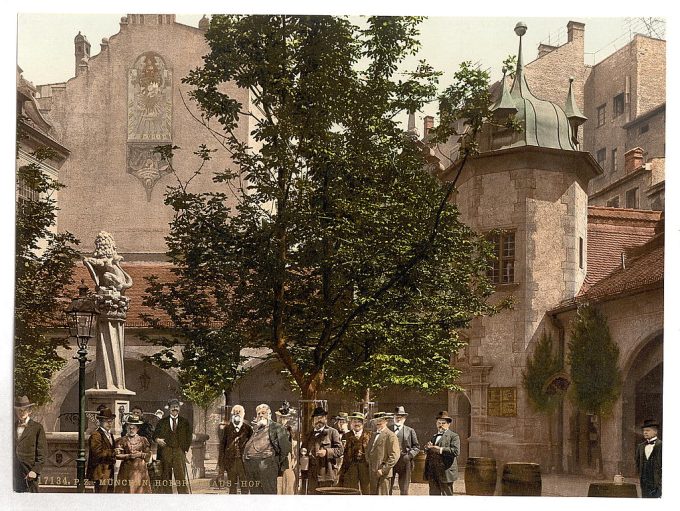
{"type": "Point", "coordinates": [642, 396]}
{"type": "Point", "coordinates": [461, 412]}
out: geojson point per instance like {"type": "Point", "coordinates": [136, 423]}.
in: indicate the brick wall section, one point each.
{"type": "Point", "coordinates": [643, 63]}
{"type": "Point", "coordinates": [90, 113]}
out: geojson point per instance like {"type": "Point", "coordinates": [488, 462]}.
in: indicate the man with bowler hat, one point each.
{"type": "Point", "coordinates": [408, 443]}
{"type": "Point", "coordinates": [173, 438]}
{"type": "Point", "coordinates": [441, 469]}
{"type": "Point", "coordinates": [648, 460]}
{"type": "Point", "coordinates": [101, 460]}
{"type": "Point", "coordinates": [324, 448]}
{"type": "Point", "coordinates": [30, 447]}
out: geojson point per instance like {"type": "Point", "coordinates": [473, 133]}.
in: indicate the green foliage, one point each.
{"type": "Point", "coordinates": [342, 255]}
{"type": "Point", "coordinates": [593, 357]}
{"type": "Point", "coordinates": [44, 263]}
{"type": "Point", "coordinates": [510, 65]}
{"type": "Point", "coordinates": [540, 367]}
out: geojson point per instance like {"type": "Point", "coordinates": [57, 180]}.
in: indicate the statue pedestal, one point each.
{"type": "Point", "coordinates": [118, 400]}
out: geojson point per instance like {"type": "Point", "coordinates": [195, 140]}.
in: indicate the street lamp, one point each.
{"type": "Point", "coordinates": [80, 316]}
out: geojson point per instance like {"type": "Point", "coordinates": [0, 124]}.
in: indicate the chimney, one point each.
{"type": "Point", "coordinates": [428, 124]}
{"type": "Point", "coordinates": [575, 31]}
{"type": "Point", "coordinates": [633, 159]}
{"type": "Point", "coordinates": [82, 50]}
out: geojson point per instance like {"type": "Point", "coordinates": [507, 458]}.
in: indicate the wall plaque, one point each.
{"type": "Point", "coordinates": [502, 401]}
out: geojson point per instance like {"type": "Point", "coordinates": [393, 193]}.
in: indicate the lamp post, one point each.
{"type": "Point", "coordinates": [80, 316]}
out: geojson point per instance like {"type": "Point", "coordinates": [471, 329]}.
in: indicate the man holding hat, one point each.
{"type": "Point", "coordinates": [30, 447]}
{"type": "Point", "coordinates": [441, 469]}
{"type": "Point", "coordinates": [354, 470]}
{"type": "Point", "coordinates": [648, 460]}
{"type": "Point", "coordinates": [383, 454]}
{"type": "Point", "coordinates": [101, 459]}
{"type": "Point", "coordinates": [324, 447]}
{"type": "Point", "coordinates": [408, 443]}
{"type": "Point", "coordinates": [173, 437]}
{"type": "Point", "coordinates": [342, 422]}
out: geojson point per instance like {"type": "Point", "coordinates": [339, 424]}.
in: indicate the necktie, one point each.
{"type": "Point", "coordinates": [174, 423]}
{"type": "Point", "coordinates": [651, 442]}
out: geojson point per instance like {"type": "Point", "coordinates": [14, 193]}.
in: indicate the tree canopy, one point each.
{"type": "Point", "coordinates": [44, 263]}
{"type": "Point", "coordinates": [541, 366]}
{"type": "Point", "coordinates": [343, 255]}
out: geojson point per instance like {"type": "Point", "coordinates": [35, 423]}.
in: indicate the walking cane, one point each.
{"type": "Point", "coordinates": [186, 473]}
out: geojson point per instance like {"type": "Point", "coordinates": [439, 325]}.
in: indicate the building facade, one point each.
{"type": "Point", "coordinates": [533, 188]}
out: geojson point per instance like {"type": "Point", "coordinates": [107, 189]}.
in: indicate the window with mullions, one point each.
{"type": "Point", "coordinates": [502, 268]}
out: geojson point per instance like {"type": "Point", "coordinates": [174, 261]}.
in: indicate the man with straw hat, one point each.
{"type": "Point", "coordinates": [30, 447]}
{"type": "Point", "coordinates": [101, 460]}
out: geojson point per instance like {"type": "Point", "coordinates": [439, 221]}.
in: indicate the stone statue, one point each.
{"type": "Point", "coordinates": [111, 281]}
{"type": "Point", "coordinates": [105, 268]}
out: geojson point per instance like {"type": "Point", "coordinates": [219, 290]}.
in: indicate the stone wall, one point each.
{"type": "Point", "coordinates": [90, 114]}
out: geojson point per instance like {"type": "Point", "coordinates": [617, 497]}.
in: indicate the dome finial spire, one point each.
{"type": "Point", "coordinates": [520, 30]}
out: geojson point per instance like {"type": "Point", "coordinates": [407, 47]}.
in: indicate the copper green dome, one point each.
{"type": "Point", "coordinates": [544, 124]}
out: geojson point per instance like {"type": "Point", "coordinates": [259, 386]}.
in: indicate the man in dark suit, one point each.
{"type": "Point", "coordinates": [648, 460]}
{"type": "Point", "coordinates": [234, 436]}
{"type": "Point", "coordinates": [173, 437]}
{"type": "Point", "coordinates": [408, 443]}
{"type": "Point", "coordinates": [354, 469]}
{"type": "Point", "coordinates": [441, 469]}
{"type": "Point", "coordinates": [383, 454]}
{"type": "Point", "coordinates": [101, 459]}
{"type": "Point", "coordinates": [30, 448]}
{"type": "Point", "coordinates": [324, 447]}
{"type": "Point", "coordinates": [265, 454]}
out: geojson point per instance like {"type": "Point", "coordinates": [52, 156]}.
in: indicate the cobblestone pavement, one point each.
{"type": "Point", "coordinates": [553, 485]}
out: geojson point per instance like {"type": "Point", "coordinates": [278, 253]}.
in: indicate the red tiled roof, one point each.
{"type": "Point", "coordinates": [137, 270]}
{"type": "Point", "coordinates": [611, 232]}
{"type": "Point", "coordinates": [643, 270]}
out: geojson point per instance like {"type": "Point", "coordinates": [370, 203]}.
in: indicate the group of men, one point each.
{"type": "Point", "coordinates": [350, 456]}
{"type": "Point", "coordinates": [172, 436]}
{"type": "Point", "coordinates": [253, 456]}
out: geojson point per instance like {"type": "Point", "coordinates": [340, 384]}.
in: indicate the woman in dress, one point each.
{"type": "Point", "coordinates": [134, 451]}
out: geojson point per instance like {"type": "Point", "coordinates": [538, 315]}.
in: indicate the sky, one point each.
{"type": "Point", "coordinates": [478, 31]}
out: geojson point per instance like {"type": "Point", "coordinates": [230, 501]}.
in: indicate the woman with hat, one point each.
{"type": "Point", "coordinates": [441, 469]}
{"type": "Point", "coordinates": [102, 458]}
{"type": "Point", "coordinates": [134, 451]}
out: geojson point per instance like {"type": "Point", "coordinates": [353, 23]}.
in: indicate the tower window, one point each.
{"type": "Point", "coordinates": [502, 268]}
{"type": "Point", "coordinates": [601, 115]}
{"type": "Point", "coordinates": [619, 105]}
{"type": "Point", "coordinates": [632, 200]}
{"type": "Point", "coordinates": [615, 165]}
{"type": "Point", "coordinates": [601, 156]}
{"type": "Point", "coordinates": [580, 253]}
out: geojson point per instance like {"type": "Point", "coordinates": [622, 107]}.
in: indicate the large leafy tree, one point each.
{"type": "Point", "coordinates": [44, 264]}
{"type": "Point", "coordinates": [594, 365]}
{"type": "Point", "coordinates": [343, 255]}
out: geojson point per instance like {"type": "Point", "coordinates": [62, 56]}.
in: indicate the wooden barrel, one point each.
{"type": "Point", "coordinates": [521, 479]}
{"type": "Point", "coordinates": [480, 476]}
{"type": "Point", "coordinates": [418, 472]}
{"type": "Point", "coordinates": [337, 490]}
{"type": "Point", "coordinates": [626, 490]}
